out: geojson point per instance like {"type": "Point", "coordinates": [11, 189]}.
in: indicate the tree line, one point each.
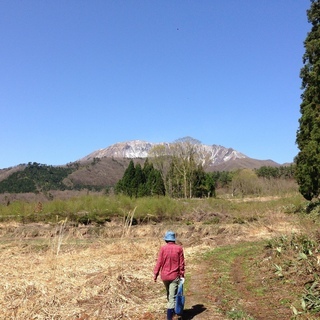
{"type": "Point", "coordinates": [139, 181]}
{"type": "Point", "coordinates": [178, 171]}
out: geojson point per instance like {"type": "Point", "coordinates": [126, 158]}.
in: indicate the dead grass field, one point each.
{"type": "Point", "coordinates": [70, 273]}
{"type": "Point", "coordinates": [84, 279]}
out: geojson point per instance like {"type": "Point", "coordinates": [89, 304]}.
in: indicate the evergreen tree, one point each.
{"type": "Point", "coordinates": [141, 182]}
{"type": "Point", "coordinates": [287, 172]}
{"type": "Point", "coordinates": [128, 180]}
{"type": "Point", "coordinates": [138, 185]}
{"type": "Point", "coordinates": [210, 185]}
{"type": "Point", "coordinates": [203, 184]}
{"type": "Point", "coordinates": [308, 134]}
{"type": "Point", "coordinates": [267, 172]}
{"type": "Point", "coordinates": [148, 174]}
{"type": "Point", "coordinates": [198, 183]}
{"type": "Point", "coordinates": [158, 187]}
{"type": "Point", "coordinates": [147, 168]}
{"type": "Point", "coordinates": [154, 184]}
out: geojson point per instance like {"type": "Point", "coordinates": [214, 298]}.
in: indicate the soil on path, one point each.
{"type": "Point", "coordinates": [201, 302]}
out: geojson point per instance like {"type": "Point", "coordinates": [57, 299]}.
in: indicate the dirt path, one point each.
{"type": "Point", "coordinates": [201, 302]}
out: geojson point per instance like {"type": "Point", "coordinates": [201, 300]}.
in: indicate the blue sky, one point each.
{"type": "Point", "coordinates": [77, 76]}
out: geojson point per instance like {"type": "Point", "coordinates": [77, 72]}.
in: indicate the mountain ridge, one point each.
{"type": "Point", "coordinates": [220, 157]}
{"type": "Point", "coordinates": [105, 167]}
{"type": "Point", "coordinates": [140, 149]}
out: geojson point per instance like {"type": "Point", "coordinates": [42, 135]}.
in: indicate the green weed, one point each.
{"type": "Point", "coordinates": [238, 314]}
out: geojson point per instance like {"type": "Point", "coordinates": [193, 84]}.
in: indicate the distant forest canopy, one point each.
{"type": "Point", "coordinates": [137, 180]}
{"type": "Point", "coordinates": [36, 177]}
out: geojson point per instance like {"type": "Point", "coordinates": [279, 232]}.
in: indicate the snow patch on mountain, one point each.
{"type": "Point", "coordinates": [140, 149]}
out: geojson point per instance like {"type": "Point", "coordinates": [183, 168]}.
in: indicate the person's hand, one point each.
{"type": "Point", "coordinates": [155, 279]}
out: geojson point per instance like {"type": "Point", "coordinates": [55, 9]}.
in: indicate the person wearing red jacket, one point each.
{"type": "Point", "coordinates": [170, 265]}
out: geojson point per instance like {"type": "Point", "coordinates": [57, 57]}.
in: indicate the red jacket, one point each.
{"type": "Point", "coordinates": [170, 262]}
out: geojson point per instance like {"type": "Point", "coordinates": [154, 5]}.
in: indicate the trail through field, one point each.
{"type": "Point", "coordinates": [201, 302]}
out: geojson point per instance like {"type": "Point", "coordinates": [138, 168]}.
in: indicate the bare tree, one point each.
{"type": "Point", "coordinates": [159, 156]}
{"type": "Point", "coordinates": [178, 162]}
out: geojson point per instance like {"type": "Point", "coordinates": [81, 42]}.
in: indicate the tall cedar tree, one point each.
{"type": "Point", "coordinates": [308, 134]}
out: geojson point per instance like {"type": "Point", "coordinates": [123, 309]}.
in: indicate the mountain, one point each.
{"type": "Point", "coordinates": [220, 158]}
{"type": "Point", "coordinates": [129, 149]}
{"type": "Point", "coordinates": [134, 149]}
{"type": "Point", "coordinates": [105, 167]}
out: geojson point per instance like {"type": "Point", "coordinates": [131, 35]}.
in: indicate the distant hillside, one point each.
{"type": "Point", "coordinates": [5, 173]}
{"type": "Point", "coordinates": [246, 163]}
{"type": "Point", "coordinates": [97, 174]}
{"type": "Point", "coordinates": [105, 172]}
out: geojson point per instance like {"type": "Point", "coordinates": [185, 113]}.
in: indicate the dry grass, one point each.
{"type": "Point", "coordinates": [98, 281]}
{"type": "Point", "coordinates": [67, 277]}
{"type": "Point", "coordinates": [66, 272]}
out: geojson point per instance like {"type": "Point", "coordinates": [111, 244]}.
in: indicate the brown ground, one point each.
{"type": "Point", "coordinates": [73, 273]}
{"type": "Point", "coordinates": [201, 302]}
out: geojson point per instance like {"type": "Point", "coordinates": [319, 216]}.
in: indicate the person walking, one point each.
{"type": "Point", "coordinates": [171, 266]}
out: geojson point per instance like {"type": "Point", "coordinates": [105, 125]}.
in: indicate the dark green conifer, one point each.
{"type": "Point", "coordinates": [308, 134]}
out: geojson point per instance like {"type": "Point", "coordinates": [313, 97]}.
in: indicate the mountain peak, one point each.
{"type": "Point", "coordinates": [140, 149]}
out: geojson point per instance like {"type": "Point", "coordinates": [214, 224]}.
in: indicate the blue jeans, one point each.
{"type": "Point", "coordinates": [171, 288]}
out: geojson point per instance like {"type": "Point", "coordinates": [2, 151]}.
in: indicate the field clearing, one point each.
{"type": "Point", "coordinates": [72, 273]}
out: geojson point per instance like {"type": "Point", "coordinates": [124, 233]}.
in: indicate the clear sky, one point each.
{"type": "Point", "coordinates": [80, 75]}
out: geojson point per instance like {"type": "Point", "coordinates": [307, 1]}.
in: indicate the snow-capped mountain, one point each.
{"type": "Point", "coordinates": [140, 149]}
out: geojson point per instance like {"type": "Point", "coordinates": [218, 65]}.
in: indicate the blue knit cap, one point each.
{"type": "Point", "coordinates": [170, 236]}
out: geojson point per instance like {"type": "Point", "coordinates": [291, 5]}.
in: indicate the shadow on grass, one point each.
{"type": "Point", "coordinates": [191, 313]}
